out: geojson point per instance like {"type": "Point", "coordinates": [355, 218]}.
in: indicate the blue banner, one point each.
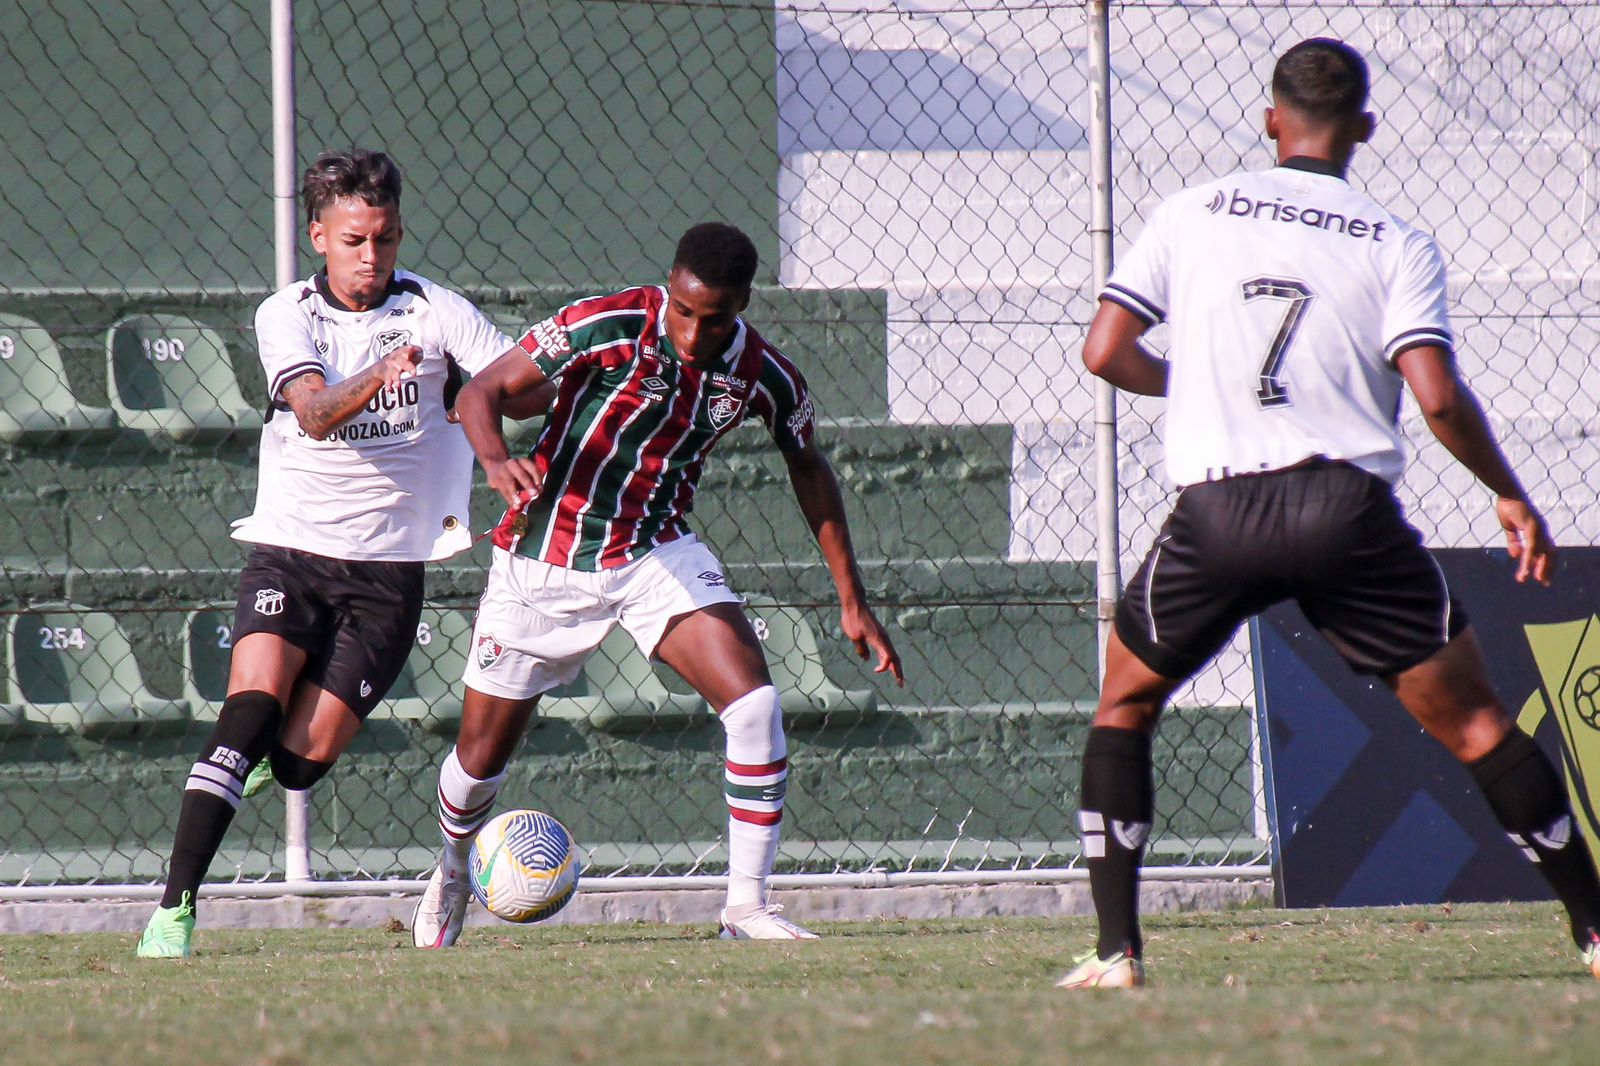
{"type": "Point", "coordinates": [1365, 809]}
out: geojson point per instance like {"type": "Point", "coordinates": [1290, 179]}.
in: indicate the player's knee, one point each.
{"type": "Point", "coordinates": [296, 772]}
{"type": "Point", "coordinates": [754, 724]}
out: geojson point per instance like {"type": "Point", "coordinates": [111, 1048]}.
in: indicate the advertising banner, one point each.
{"type": "Point", "coordinates": [1365, 808]}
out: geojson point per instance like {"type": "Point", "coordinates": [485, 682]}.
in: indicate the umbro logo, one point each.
{"type": "Point", "coordinates": [1558, 835]}
{"type": "Point", "coordinates": [654, 388]}
{"type": "Point", "coordinates": [712, 579]}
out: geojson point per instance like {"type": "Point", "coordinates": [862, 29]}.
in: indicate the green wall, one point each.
{"type": "Point", "coordinates": [542, 143]}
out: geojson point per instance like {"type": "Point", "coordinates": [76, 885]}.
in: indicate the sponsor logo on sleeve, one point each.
{"type": "Point", "coordinates": [801, 417]}
{"type": "Point", "coordinates": [552, 337]}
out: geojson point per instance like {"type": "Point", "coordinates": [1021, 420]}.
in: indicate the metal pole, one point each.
{"type": "Point", "coordinates": [286, 239]}
{"type": "Point", "coordinates": [1108, 541]}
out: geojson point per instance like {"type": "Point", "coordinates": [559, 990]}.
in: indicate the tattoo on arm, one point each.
{"type": "Point", "coordinates": [321, 408]}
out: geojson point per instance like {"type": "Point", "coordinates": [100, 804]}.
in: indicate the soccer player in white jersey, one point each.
{"type": "Point", "coordinates": [362, 479]}
{"type": "Point", "coordinates": [650, 379]}
{"type": "Point", "coordinates": [1299, 306]}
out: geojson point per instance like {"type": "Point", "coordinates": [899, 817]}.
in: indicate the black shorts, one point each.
{"type": "Point", "coordinates": [1325, 534]}
{"type": "Point", "coordinates": [357, 621]}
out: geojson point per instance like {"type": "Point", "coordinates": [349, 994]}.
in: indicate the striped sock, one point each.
{"type": "Point", "coordinates": [757, 774]}
{"type": "Point", "coordinates": [464, 805]}
{"type": "Point", "coordinates": [246, 728]}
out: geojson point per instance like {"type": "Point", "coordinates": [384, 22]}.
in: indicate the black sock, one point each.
{"type": "Point", "coordinates": [1116, 809]}
{"type": "Point", "coordinates": [1528, 798]}
{"type": "Point", "coordinates": [247, 727]}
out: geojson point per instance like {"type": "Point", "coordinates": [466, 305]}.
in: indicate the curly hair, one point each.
{"type": "Point", "coordinates": [718, 254]}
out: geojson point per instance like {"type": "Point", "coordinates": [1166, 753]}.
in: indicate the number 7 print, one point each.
{"type": "Point", "coordinates": [1272, 392]}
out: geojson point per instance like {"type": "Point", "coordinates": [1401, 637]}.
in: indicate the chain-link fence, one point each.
{"type": "Point", "coordinates": [917, 179]}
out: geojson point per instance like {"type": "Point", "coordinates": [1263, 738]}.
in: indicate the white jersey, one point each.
{"type": "Point", "coordinates": [391, 483]}
{"type": "Point", "coordinates": [1291, 294]}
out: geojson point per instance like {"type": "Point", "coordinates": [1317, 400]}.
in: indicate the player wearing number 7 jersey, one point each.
{"type": "Point", "coordinates": [1299, 307]}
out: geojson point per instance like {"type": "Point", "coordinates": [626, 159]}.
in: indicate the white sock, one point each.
{"type": "Point", "coordinates": [464, 805]}
{"type": "Point", "coordinates": [757, 771]}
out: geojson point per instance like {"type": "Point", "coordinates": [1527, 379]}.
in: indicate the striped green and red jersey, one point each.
{"type": "Point", "coordinates": [627, 436]}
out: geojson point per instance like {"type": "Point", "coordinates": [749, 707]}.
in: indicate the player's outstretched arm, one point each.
{"type": "Point", "coordinates": [1112, 351]}
{"type": "Point", "coordinates": [1453, 414]}
{"type": "Point", "coordinates": [506, 384]}
{"type": "Point", "coordinates": [817, 490]}
{"type": "Point", "coordinates": [321, 408]}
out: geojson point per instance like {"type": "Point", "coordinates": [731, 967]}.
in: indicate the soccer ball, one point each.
{"type": "Point", "coordinates": [524, 866]}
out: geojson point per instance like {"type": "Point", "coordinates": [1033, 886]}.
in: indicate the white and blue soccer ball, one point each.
{"type": "Point", "coordinates": [524, 866]}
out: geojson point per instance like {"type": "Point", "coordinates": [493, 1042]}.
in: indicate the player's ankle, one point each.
{"type": "Point", "coordinates": [743, 908]}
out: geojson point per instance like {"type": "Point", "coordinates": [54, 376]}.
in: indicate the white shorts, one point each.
{"type": "Point", "coordinates": [538, 623]}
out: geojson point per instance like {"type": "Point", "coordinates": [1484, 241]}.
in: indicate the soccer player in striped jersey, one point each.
{"type": "Point", "coordinates": [596, 535]}
{"type": "Point", "coordinates": [1299, 308]}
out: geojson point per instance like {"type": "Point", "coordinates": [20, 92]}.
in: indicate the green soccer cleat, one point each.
{"type": "Point", "coordinates": [169, 932]}
{"type": "Point", "coordinates": [260, 777]}
{"type": "Point", "coordinates": [1091, 971]}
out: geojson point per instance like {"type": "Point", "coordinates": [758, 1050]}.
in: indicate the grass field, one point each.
{"type": "Point", "coordinates": [1441, 986]}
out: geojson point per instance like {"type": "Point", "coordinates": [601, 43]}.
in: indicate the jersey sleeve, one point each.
{"type": "Point", "coordinates": [1416, 315]}
{"type": "Point", "coordinates": [466, 334]}
{"type": "Point", "coordinates": [783, 401]}
{"type": "Point", "coordinates": [586, 333]}
{"type": "Point", "coordinates": [1142, 279]}
{"type": "Point", "coordinates": [283, 337]}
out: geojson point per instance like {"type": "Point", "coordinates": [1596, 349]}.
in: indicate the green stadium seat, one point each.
{"type": "Point", "coordinates": [73, 669]}
{"type": "Point", "coordinates": [428, 690]}
{"type": "Point", "coordinates": [12, 721]}
{"type": "Point", "coordinates": [809, 698]}
{"type": "Point", "coordinates": [39, 405]}
{"type": "Point", "coordinates": [624, 695]}
{"type": "Point", "coordinates": [207, 659]}
{"type": "Point", "coordinates": [170, 376]}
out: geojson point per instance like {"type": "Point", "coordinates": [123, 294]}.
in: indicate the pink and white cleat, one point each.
{"type": "Point", "coordinates": [441, 912]}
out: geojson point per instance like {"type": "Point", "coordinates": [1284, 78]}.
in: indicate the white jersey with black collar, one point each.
{"type": "Point", "coordinates": [1290, 295]}
{"type": "Point", "coordinates": [391, 483]}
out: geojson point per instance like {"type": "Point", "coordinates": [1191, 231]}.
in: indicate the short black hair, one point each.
{"type": "Point", "coordinates": [358, 174]}
{"type": "Point", "coordinates": [1324, 79]}
{"type": "Point", "coordinates": [718, 254]}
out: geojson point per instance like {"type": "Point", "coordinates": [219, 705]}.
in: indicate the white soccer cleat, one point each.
{"type": "Point", "coordinates": [1091, 971]}
{"type": "Point", "coordinates": [441, 912]}
{"type": "Point", "coordinates": [1591, 954]}
{"type": "Point", "coordinates": [764, 923]}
